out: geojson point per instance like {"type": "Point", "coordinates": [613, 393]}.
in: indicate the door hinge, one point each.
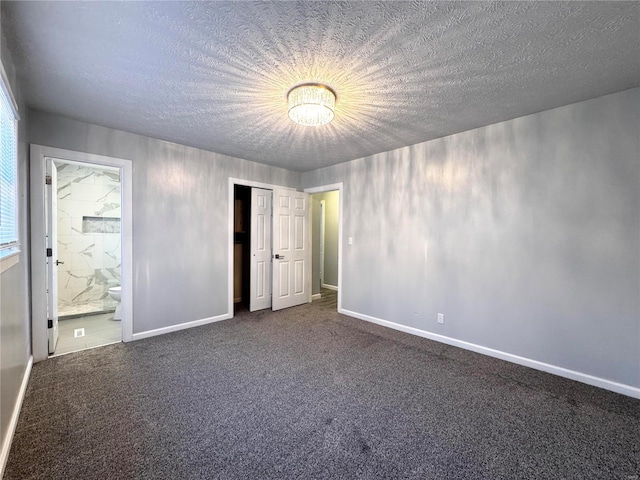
{"type": "Point", "coordinates": [47, 180]}
{"type": "Point", "coordinates": [49, 252]}
{"type": "Point", "coordinates": [49, 323]}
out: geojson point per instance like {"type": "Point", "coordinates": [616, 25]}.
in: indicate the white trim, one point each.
{"type": "Point", "coordinates": [325, 188]}
{"type": "Point", "coordinates": [9, 261]}
{"type": "Point", "coordinates": [247, 183]}
{"type": "Point", "coordinates": [180, 326]}
{"type": "Point", "coordinates": [316, 296]}
{"type": "Point", "coordinates": [340, 188]}
{"type": "Point", "coordinates": [38, 154]}
{"type": "Point", "coordinates": [84, 164]}
{"type": "Point", "coordinates": [323, 244]}
{"type": "Point", "coordinates": [329, 287]}
{"type": "Point", "coordinates": [237, 300]}
{"type": "Point", "coordinates": [8, 438]}
{"type": "Point", "coordinates": [629, 390]}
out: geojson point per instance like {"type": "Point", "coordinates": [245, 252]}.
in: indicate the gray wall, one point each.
{"type": "Point", "coordinates": [15, 339]}
{"type": "Point", "coordinates": [180, 216]}
{"type": "Point", "coordinates": [331, 217]}
{"type": "Point", "coordinates": [525, 234]}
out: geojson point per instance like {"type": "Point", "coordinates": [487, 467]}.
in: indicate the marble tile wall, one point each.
{"type": "Point", "coordinates": [88, 238]}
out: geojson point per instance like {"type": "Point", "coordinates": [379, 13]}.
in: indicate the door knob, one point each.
{"type": "Point", "coordinates": [279, 257]}
{"type": "Point", "coordinates": [58, 262]}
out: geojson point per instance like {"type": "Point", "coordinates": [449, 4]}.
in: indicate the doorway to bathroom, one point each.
{"type": "Point", "coordinates": [84, 281]}
{"type": "Point", "coordinates": [88, 291]}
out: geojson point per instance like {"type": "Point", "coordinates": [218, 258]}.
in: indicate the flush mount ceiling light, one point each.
{"type": "Point", "coordinates": [311, 104]}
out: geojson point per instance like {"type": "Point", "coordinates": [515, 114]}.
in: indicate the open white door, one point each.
{"type": "Point", "coordinates": [260, 296]}
{"type": "Point", "coordinates": [52, 253]}
{"type": "Point", "coordinates": [291, 248]}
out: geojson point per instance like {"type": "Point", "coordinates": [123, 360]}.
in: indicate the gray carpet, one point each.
{"type": "Point", "coordinates": [310, 394]}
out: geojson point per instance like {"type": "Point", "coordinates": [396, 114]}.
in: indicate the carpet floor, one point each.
{"type": "Point", "coordinates": [307, 393]}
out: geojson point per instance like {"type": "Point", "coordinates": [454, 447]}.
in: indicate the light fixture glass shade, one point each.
{"type": "Point", "coordinates": [311, 105]}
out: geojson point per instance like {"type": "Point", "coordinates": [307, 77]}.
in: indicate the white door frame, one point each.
{"type": "Point", "coordinates": [330, 188]}
{"type": "Point", "coordinates": [323, 206]}
{"type": "Point", "coordinates": [232, 183]}
{"type": "Point", "coordinates": [51, 196]}
{"type": "Point", "coordinates": [38, 154]}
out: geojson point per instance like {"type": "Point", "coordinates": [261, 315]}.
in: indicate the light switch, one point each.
{"type": "Point", "coordinates": [350, 240]}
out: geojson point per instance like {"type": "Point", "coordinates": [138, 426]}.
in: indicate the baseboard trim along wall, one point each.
{"type": "Point", "coordinates": [180, 326]}
{"type": "Point", "coordinates": [329, 287]}
{"type": "Point", "coordinates": [316, 296]}
{"type": "Point", "coordinates": [628, 390]}
{"type": "Point", "coordinates": [6, 442]}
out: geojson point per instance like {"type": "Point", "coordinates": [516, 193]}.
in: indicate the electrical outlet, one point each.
{"type": "Point", "coordinates": [441, 318]}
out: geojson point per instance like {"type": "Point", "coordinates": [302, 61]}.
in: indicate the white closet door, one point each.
{"type": "Point", "coordinates": [260, 296]}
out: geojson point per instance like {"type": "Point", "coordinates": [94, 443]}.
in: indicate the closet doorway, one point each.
{"type": "Point", "coordinates": [241, 247]}
{"type": "Point", "coordinates": [269, 246]}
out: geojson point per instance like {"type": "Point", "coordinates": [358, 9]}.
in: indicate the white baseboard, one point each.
{"type": "Point", "coordinates": [329, 287]}
{"type": "Point", "coordinates": [180, 326]}
{"type": "Point", "coordinates": [628, 390]}
{"type": "Point", "coordinates": [316, 296]}
{"type": "Point", "coordinates": [237, 300]}
{"type": "Point", "coordinates": [6, 441]}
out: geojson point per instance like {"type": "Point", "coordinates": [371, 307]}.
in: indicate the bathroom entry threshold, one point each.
{"type": "Point", "coordinates": [82, 349]}
{"type": "Point", "coordinates": [89, 331]}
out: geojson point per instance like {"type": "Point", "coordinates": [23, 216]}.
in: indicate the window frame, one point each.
{"type": "Point", "coordinates": [10, 253]}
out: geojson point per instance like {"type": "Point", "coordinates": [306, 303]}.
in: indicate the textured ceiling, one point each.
{"type": "Point", "coordinates": [215, 75]}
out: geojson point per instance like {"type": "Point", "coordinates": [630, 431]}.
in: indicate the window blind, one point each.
{"type": "Point", "coordinates": [8, 172]}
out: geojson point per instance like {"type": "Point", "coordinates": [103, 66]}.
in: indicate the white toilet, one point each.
{"type": "Point", "coordinates": [115, 293]}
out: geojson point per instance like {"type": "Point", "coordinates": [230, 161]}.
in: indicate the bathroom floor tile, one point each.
{"type": "Point", "coordinates": [98, 330]}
